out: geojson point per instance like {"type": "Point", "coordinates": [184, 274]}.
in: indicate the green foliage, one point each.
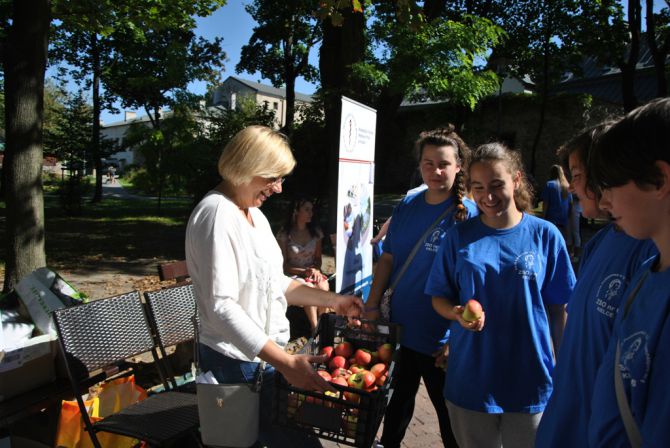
{"type": "Point", "coordinates": [439, 59]}
{"type": "Point", "coordinates": [153, 71]}
{"type": "Point", "coordinates": [200, 168]}
{"type": "Point", "coordinates": [70, 136]}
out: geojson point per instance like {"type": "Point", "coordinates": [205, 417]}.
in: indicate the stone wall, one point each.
{"type": "Point", "coordinates": [512, 118]}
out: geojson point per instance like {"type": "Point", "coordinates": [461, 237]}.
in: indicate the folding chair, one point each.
{"type": "Point", "coordinates": [176, 270]}
{"type": "Point", "coordinates": [101, 335]}
{"type": "Point", "coordinates": [171, 312]}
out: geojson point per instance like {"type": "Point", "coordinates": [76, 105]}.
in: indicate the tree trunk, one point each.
{"type": "Point", "coordinates": [544, 93]}
{"type": "Point", "coordinates": [95, 137]}
{"type": "Point", "coordinates": [628, 66]}
{"type": "Point", "coordinates": [391, 98]}
{"type": "Point", "coordinates": [342, 46]}
{"type": "Point", "coordinates": [659, 54]}
{"type": "Point", "coordinates": [25, 64]}
{"type": "Point", "coordinates": [289, 77]}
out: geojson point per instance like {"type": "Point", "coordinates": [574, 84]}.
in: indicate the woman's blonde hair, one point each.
{"type": "Point", "coordinates": [556, 173]}
{"type": "Point", "coordinates": [256, 151]}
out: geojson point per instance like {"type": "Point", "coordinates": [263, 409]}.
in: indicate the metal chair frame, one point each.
{"type": "Point", "coordinates": [101, 335]}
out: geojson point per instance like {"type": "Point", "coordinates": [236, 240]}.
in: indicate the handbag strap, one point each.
{"type": "Point", "coordinates": [416, 247]}
{"type": "Point", "coordinates": [632, 430]}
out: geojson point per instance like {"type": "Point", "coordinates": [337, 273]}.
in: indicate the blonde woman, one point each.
{"type": "Point", "coordinates": [237, 271]}
{"type": "Point", "coordinates": [556, 199]}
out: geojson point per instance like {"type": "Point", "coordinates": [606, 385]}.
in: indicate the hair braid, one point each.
{"type": "Point", "coordinates": [460, 191]}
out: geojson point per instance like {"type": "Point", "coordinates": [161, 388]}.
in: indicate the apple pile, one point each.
{"type": "Point", "coordinates": [356, 368]}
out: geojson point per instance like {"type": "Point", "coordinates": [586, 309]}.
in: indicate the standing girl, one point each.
{"type": "Point", "coordinates": [420, 221]}
{"type": "Point", "coordinates": [610, 259]}
{"type": "Point", "coordinates": [556, 199]}
{"type": "Point", "coordinates": [631, 164]}
{"type": "Point", "coordinates": [517, 266]}
{"type": "Point", "coordinates": [300, 243]}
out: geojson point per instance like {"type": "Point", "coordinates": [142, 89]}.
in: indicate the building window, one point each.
{"type": "Point", "coordinates": [275, 105]}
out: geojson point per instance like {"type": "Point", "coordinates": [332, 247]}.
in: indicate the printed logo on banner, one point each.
{"type": "Point", "coordinates": [349, 133]}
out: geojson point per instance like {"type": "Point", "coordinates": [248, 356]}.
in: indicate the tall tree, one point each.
{"type": "Point", "coordinates": [24, 58]}
{"type": "Point", "coordinates": [438, 55]}
{"type": "Point", "coordinates": [83, 41]}
{"type": "Point", "coordinates": [152, 71]}
{"type": "Point", "coordinates": [344, 44]}
{"type": "Point", "coordinates": [280, 44]}
{"type": "Point", "coordinates": [658, 40]}
{"type": "Point", "coordinates": [70, 137]}
{"type": "Point", "coordinates": [603, 29]}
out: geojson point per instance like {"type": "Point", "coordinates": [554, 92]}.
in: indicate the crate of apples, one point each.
{"type": "Point", "coordinates": [359, 363]}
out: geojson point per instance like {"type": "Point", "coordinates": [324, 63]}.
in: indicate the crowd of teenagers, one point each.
{"type": "Point", "coordinates": [556, 359]}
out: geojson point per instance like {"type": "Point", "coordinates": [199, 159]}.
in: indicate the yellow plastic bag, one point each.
{"type": "Point", "coordinates": [113, 397]}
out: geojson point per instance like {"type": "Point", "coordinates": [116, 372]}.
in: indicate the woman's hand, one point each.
{"type": "Point", "coordinates": [300, 373]}
{"type": "Point", "coordinates": [350, 306]}
{"type": "Point", "coordinates": [475, 325]}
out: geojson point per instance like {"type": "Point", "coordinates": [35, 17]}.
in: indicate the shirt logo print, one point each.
{"type": "Point", "coordinates": [526, 265]}
{"type": "Point", "coordinates": [433, 240]}
{"type": "Point", "coordinates": [635, 360]}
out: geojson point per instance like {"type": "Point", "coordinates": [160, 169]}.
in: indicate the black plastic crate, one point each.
{"type": "Point", "coordinates": [352, 421]}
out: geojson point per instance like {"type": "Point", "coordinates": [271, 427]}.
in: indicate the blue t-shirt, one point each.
{"type": "Point", "coordinates": [609, 261]}
{"type": "Point", "coordinates": [556, 207]}
{"type": "Point", "coordinates": [644, 335]}
{"type": "Point", "coordinates": [513, 273]}
{"type": "Point", "coordinates": [423, 330]}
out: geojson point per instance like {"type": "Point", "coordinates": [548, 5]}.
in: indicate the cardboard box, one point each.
{"type": "Point", "coordinates": [28, 366]}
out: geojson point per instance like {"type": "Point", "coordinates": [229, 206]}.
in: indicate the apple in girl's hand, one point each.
{"type": "Point", "coordinates": [344, 349]}
{"type": "Point", "coordinates": [338, 362]}
{"type": "Point", "coordinates": [363, 357]}
{"type": "Point", "coordinates": [385, 353]}
{"type": "Point", "coordinates": [378, 369]}
{"type": "Point", "coordinates": [472, 311]}
{"type": "Point", "coordinates": [327, 351]}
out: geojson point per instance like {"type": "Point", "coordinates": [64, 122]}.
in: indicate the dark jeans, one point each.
{"type": "Point", "coordinates": [411, 367]}
{"type": "Point", "coordinates": [229, 370]}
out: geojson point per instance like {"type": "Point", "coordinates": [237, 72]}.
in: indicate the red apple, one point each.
{"type": "Point", "coordinates": [368, 379]}
{"type": "Point", "coordinates": [339, 380]}
{"type": "Point", "coordinates": [355, 368]}
{"type": "Point", "coordinates": [381, 380]}
{"type": "Point", "coordinates": [363, 357]}
{"type": "Point", "coordinates": [327, 351]}
{"type": "Point", "coordinates": [325, 375]}
{"type": "Point", "coordinates": [378, 369]}
{"type": "Point", "coordinates": [340, 372]}
{"type": "Point", "coordinates": [338, 362]}
{"type": "Point", "coordinates": [344, 349]}
{"type": "Point", "coordinates": [385, 353]}
{"type": "Point", "coordinates": [473, 311]}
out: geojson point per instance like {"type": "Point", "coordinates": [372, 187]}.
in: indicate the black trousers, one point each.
{"type": "Point", "coordinates": [411, 367]}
